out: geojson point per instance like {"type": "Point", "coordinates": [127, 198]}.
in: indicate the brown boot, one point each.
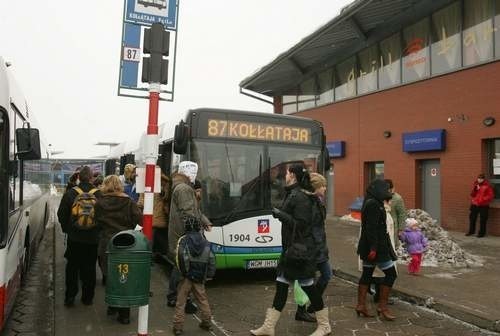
{"type": "Point", "coordinates": [361, 307]}
{"type": "Point", "coordinates": [382, 304]}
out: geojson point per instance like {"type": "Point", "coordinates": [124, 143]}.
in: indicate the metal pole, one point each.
{"type": "Point", "coordinates": [151, 155]}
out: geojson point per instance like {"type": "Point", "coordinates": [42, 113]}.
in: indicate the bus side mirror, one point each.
{"type": "Point", "coordinates": [181, 138]}
{"type": "Point", "coordinates": [326, 159]}
{"type": "Point", "coordinates": [13, 168]}
{"type": "Point", "coordinates": [28, 143]}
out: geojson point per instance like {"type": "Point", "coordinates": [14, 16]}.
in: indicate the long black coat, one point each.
{"type": "Point", "coordinates": [374, 234]}
{"type": "Point", "coordinates": [318, 230]}
{"type": "Point", "coordinates": [297, 210]}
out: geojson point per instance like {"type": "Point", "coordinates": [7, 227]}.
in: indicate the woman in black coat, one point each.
{"type": "Point", "coordinates": [375, 248]}
{"type": "Point", "coordinates": [295, 215]}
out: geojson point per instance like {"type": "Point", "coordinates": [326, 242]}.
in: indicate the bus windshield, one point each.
{"type": "Point", "coordinates": [227, 173]}
{"type": "Point", "coordinates": [279, 157]}
{"type": "Point", "coordinates": [241, 177]}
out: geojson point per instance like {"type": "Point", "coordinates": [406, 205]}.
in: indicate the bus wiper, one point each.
{"type": "Point", "coordinates": [250, 188]}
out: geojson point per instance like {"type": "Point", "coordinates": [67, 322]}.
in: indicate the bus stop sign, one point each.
{"type": "Point", "coordinates": [147, 12]}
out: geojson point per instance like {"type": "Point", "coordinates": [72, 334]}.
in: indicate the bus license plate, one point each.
{"type": "Point", "coordinates": [262, 263]}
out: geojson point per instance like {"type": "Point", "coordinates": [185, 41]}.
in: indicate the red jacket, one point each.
{"type": "Point", "coordinates": [481, 194]}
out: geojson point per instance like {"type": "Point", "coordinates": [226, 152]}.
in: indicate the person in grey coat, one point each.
{"type": "Point", "coordinates": [182, 205]}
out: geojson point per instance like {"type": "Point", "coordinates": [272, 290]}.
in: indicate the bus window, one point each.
{"type": "Point", "coordinates": [278, 157]}
{"type": "Point", "coordinates": [230, 176]}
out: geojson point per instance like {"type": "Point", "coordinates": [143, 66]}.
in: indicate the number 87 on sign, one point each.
{"type": "Point", "coordinates": [131, 54]}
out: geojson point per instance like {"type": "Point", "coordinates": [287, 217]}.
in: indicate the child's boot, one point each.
{"type": "Point", "coordinates": [205, 325]}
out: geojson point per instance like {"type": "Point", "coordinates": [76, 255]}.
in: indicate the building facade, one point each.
{"type": "Point", "coordinates": [406, 90]}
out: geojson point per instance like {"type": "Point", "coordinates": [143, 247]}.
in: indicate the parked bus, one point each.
{"type": "Point", "coordinates": [23, 193]}
{"type": "Point", "coordinates": [242, 160]}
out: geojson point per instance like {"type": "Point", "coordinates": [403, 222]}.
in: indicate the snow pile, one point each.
{"type": "Point", "coordinates": [350, 218]}
{"type": "Point", "coordinates": [441, 250]}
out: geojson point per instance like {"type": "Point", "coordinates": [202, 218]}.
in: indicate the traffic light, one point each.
{"type": "Point", "coordinates": [157, 43]}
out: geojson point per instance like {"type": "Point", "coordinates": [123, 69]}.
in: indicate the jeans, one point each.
{"type": "Point", "coordinates": [325, 271]}
{"type": "Point", "coordinates": [173, 283]}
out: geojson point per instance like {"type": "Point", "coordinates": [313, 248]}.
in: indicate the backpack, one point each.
{"type": "Point", "coordinates": [195, 268]}
{"type": "Point", "coordinates": [82, 210]}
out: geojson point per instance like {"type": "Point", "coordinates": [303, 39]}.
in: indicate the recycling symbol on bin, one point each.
{"type": "Point", "coordinates": [123, 278]}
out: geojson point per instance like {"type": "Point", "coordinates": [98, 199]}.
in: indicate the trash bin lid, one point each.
{"type": "Point", "coordinates": [129, 240]}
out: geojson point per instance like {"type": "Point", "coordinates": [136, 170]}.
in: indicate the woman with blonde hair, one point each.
{"type": "Point", "coordinates": [318, 183]}
{"type": "Point", "coordinates": [115, 211]}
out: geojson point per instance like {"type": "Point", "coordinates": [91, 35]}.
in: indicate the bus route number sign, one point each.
{"type": "Point", "coordinates": [258, 131]}
{"type": "Point", "coordinates": [131, 54]}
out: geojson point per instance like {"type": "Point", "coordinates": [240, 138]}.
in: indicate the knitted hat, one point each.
{"type": "Point", "coordinates": [188, 168]}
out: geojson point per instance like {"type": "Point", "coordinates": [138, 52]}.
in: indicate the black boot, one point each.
{"type": "Point", "coordinates": [123, 315]}
{"type": "Point", "coordinates": [303, 315]}
{"type": "Point", "coordinates": [376, 296]}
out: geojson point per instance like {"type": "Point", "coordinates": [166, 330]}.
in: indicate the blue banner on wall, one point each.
{"type": "Point", "coordinates": [336, 149]}
{"type": "Point", "coordinates": [431, 140]}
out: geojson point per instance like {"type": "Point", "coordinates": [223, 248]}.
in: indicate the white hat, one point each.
{"type": "Point", "coordinates": [410, 221]}
{"type": "Point", "coordinates": [189, 168]}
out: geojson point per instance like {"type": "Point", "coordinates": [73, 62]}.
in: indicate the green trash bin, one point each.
{"type": "Point", "coordinates": [129, 269]}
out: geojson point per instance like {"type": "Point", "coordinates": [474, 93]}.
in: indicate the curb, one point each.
{"type": "Point", "coordinates": [430, 303]}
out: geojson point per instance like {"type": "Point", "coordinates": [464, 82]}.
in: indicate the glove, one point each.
{"type": "Point", "coordinates": [372, 255]}
{"type": "Point", "coordinates": [276, 212]}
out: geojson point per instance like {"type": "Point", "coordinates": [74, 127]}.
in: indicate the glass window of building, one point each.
{"type": "Point", "coordinates": [497, 28]}
{"type": "Point", "coordinates": [390, 62]}
{"type": "Point", "coordinates": [374, 170]}
{"type": "Point", "coordinates": [345, 79]}
{"type": "Point", "coordinates": [478, 31]}
{"type": "Point", "coordinates": [446, 29]}
{"type": "Point", "coordinates": [307, 94]}
{"type": "Point", "coordinates": [289, 103]}
{"type": "Point", "coordinates": [367, 71]}
{"type": "Point", "coordinates": [325, 90]}
{"type": "Point", "coordinates": [416, 51]}
{"type": "Point", "coordinates": [493, 163]}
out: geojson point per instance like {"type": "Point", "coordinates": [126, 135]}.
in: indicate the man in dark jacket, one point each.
{"type": "Point", "coordinates": [81, 249]}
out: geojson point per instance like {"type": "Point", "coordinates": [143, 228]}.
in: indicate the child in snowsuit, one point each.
{"type": "Point", "coordinates": [415, 244]}
{"type": "Point", "coordinates": [196, 263]}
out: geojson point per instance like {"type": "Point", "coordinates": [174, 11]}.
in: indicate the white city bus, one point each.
{"type": "Point", "coordinates": [23, 191]}
{"type": "Point", "coordinates": [242, 158]}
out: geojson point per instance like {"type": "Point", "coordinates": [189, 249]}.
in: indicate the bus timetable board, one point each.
{"type": "Point", "coordinates": [256, 127]}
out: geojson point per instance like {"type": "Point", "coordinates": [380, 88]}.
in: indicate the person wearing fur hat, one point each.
{"type": "Point", "coordinates": [415, 244]}
{"type": "Point", "coordinates": [183, 203]}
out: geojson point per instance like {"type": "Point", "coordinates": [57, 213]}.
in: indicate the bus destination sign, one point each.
{"type": "Point", "coordinates": [258, 131]}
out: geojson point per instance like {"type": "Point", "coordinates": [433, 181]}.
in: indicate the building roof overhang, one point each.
{"type": "Point", "coordinates": [358, 26]}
